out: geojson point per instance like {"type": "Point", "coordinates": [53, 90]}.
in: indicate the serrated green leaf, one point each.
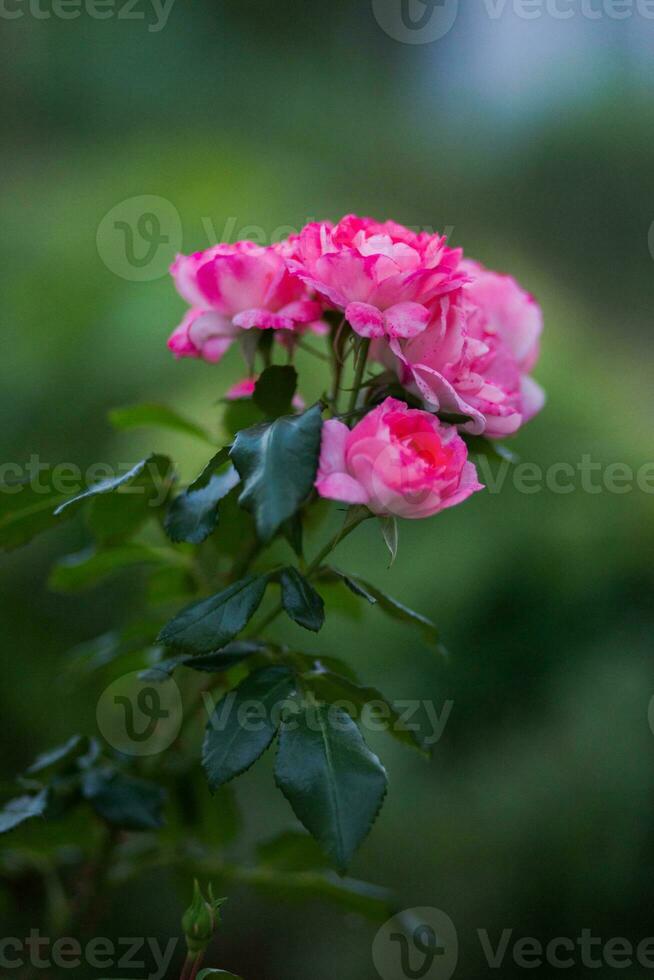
{"type": "Point", "coordinates": [23, 808]}
{"type": "Point", "coordinates": [300, 600]}
{"type": "Point", "coordinates": [334, 783]}
{"type": "Point", "coordinates": [274, 390]}
{"type": "Point", "coordinates": [334, 688]}
{"type": "Point", "coordinates": [210, 624]}
{"type": "Point", "coordinates": [124, 801]}
{"type": "Point", "coordinates": [88, 568]}
{"type": "Point", "coordinates": [193, 515]}
{"type": "Point", "coordinates": [157, 416]}
{"type": "Point", "coordinates": [277, 462]}
{"type": "Point", "coordinates": [211, 663]}
{"type": "Point", "coordinates": [236, 735]}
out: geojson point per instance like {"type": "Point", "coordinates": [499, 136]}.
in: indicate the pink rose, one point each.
{"type": "Point", "coordinates": [396, 460]}
{"type": "Point", "coordinates": [232, 288]}
{"type": "Point", "coordinates": [382, 275]}
{"type": "Point", "coordinates": [474, 356]}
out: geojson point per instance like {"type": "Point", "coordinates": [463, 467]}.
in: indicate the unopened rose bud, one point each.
{"type": "Point", "coordinates": [201, 919]}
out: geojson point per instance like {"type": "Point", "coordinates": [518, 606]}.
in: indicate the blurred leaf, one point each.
{"type": "Point", "coordinates": [193, 515]}
{"type": "Point", "coordinates": [211, 623]}
{"type": "Point", "coordinates": [148, 481]}
{"type": "Point", "coordinates": [22, 808]}
{"type": "Point", "coordinates": [59, 757]}
{"type": "Point", "coordinates": [88, 568]}
{"type": "Point", "coordinates": [274, 390]}
{"type": "Point", "coordinates": [292, 851]}
{"type": "Point", "coordinates": [333, 688]}
{"type": "Point", "coordinates": [277, 462]}
{"type": "Point", "coordinates": [158, 416]}
{"type": "Point", "coordinates": [241, 413]}
{"type": "Point", "coordinates": [318, 661]}
{"type": "Point", "coordinates": [168, 584]}
{"type": "Point", "coordinates": [389, 531]}
{"type": "Point", "coordinates": [124, 801]}
{"type": "Point", "coordinates": [334, 783]}
{"type": "Point", "coordinates": [347, 894]}
{"type": "Point", "coordinates": [211, 972]}
{"type": "Point", "coordinates": [300, 600]}
{"type": "Point", "coordinates": [490, 447]}
{"type": "Point", "coordinates": [234, 740]}
{"type": "Point", "coordinates": [27, 510]}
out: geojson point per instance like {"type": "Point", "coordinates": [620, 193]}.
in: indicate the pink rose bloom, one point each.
{"type": "Point", "coordinates": [382, 275]}
{"type": "Point", "coordinates": [396, 460]}
{"type": "Point", "coordinates": [233, 288]}
{"type": "Point", "coordinates": [474, 356]}
{"type": "Point", "coordinates": [245, 389]}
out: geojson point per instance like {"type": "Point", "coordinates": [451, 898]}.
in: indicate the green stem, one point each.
{"type": "Point", "coordinates": [351, 522]}
{"type": "Point", "coordinates": [196, 966]}
{"type": "Point", "coordinates": [358, 376]}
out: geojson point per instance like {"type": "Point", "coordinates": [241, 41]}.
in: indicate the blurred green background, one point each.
{"type": "Point", "coordinates": [530, 141]}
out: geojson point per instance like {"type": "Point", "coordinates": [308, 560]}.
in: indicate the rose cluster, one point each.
{"type": "Point", "coordinates": [458, 341]}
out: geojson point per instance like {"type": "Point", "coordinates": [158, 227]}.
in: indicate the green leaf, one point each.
{"type": "Point", "coordinates": [396, 610]}
{"type": "Point", "coordinates": [124, 801]}
{"type": "Point", "coordinates": [274, 390]}
{"type": "Point", "coordinates": [244, 722]}
{"type": "Point", "coordinates": [389, 531]}
{"type": "Point", "coordinates": [148, 481]}
{"type": "Point", "coordinates": [333, 688]}
{"type": "Point", "coordinates": [329, 574]}
{"type": "Point", "coordinates": [300, 600]}
{"type": "Point", "coordinates": [334, 783]}
{"type": "Point", "coordinates": [241, 413]}
{"type": "Point", "coordinates": [293, 532]}
{"type": "Point", "coordinates": [211, 623]}
{"type": "Point", "coordinates": [59, 758]}
{"type": "Point", "coordinates": [158, 416]}
{"type": "Point", "coordinates": [347, 894]}
{"type": "Point", "coordinates": [88, 567]}
{"type": "Point", "coordinates": [292, 851]}
{"type": "Point", "coordinates": [211, 663]}
{"type": "Point", "coordinates": [22, 808]}
{"type": "Point", "coordinates": [482, 446]}
{"type": "Point", "coordinates": [210, 972]}
{"type": "Point", "coordinates": [277, 462]}
{"type": "Point", "coordinates": [27, 510]}
{"type": "Point", "coordinates": [193, 515]}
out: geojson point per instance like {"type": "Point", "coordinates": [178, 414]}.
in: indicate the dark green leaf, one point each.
{"type": "Point", "coordinates": [244, 722]}
{"type": "Point", "coordinates": [292, 531]}
{"type": "Point", "coordinates": [22, 808]}
{"type": "Point", "coordinates": [88, 568]}
{"type": "Point", "coordinates": [300, 600]}
{"type": "Point", "coordinates": [274, 390]}
{"type": "Point", "coordinates": [393, 608]}
{"type": "Point", "coordinates": [329, 573]}
{"type": "Point", "coordinates": [333, 688]}
{"type": "Point", "coordinates": [334, 783]}
{"type": "Point", "coordinates": [124, 801]}
{"type": "Point", "coordinates": [193, 515]}
{"type": "Point", "coordinates": [241, 413]}
{"type": "Point", "coordinates": [277, 462]}
{"type": "Point", "coordinates": [347, 894]}
{"type": "Point", "coordinates": [158, 416]}
{"type": "Point", "coordinates": [316, 662]}
{"type": "Point", "coordinates": [60, 757]}
{"type": "Point", "coordinates": [149, 481]}
{"type": "Point", "coordinates": [210, 972]}
{"type": "Point", "coordinates": [292, 851]}
{"type": "Point", "coordinates": [211, 663]}
{"type": "Point", "coordinates": [211, 623]}
{"type": "Point", "coordinates": [482, 446]}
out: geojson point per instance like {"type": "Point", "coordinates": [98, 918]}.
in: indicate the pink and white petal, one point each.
{"type": "Point", "coordinates": [263, 320]}
{"type": "Point", "coordinates": [215, 348]}
{"type": "Point", "coordinates": [365, 320]}
{"type": "Point", "coordinates": [468, 485]}
{"type": "Point", "coordinates": [332, 448]}
{"type": "Point", "coordinates": [302, 311]}
{"type": "Point", "coordinates": [406, 319]}
{"type": "Point", "coordinates": [319, 327]}
{"type": "Point", "coordinates": [340, 486]}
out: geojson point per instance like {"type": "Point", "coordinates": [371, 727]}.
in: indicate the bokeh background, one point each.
{"type": "Point", "coordinates": [529, 140]}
